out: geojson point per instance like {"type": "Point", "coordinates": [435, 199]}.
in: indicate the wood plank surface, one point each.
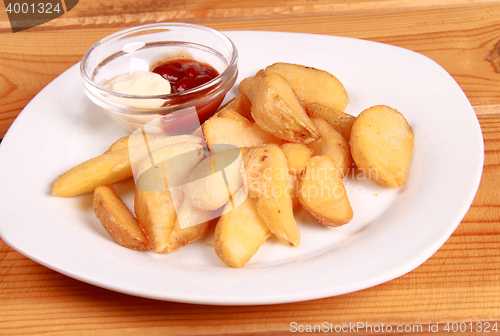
{"type": "Point", "coordinates": [459, 38]}
{"type": "Point", "coordinates": [460, 283]}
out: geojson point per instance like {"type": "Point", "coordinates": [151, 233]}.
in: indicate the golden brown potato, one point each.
{"type": "Point", "coordinates": [293, 189]}
{"type": "Point", "coordinates": [333, 144]}
{"type": "Point", "coordinates": [159, 191]}
{"type": "Point", "coordinates": [228, 113]}
{"type": "Point", "coordinates": [277, 110]}
{"type": "Point", "coordinates": [322, 193]}
{"type": "Point", "coordinates": [240, 133]}
{"type": "Point", "coordinates": [117, 219]}
{"type": "Point", "coordinates": [381, 145]}
{"type": "Point", "coordinates": [249, 86]}
{"type": "Point", "coordinates": [267, 182]}
{"type": "Point", "coordinates": [240, 104]}
{"type": "Point", "coordinates": [114, 165]}
{"type": "Point", "coordinates": [297, 155]}
{"type": "Point", "coordinates": [118, 144]}
{"type": "Point", "coordinates": [108, 168]}
{"type": "Point", "coordinates": [239, 234]}
{"type": "Point", "coordinates": [341, 121]}
{"type": "Point", "coordinates": [156, 215]}
{"type": "Point", "coordinates": [182, 237]}
{"type": "Point", "coordinates": [312, 85]}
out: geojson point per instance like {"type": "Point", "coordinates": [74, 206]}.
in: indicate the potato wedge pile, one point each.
{"type": "Point", "coordinates": [284, 142]}
{"type": "Point", "coordinates": [293, 129]}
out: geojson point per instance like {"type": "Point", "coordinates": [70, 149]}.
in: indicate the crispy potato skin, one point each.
{"type": "Point", "coordinates": [239, 234]}
{"type": "Point", "coordinates": [333, 144]}
{"type": "Point", "coordinates": [249, 86]}
{"type": "Point", "coordinates": [267, 182]}
{"type": "Point", "coordinates": [341, 121]}
{"type": "Point", "coordinates": [182, 237]}
{"type": "Point", "coordinates": [117, 219]}
{"type": "Point", "coordinates": [240, 104]}
{"type": "Point", "coordinates": [111, 167]}
{"type": "Point", "coordinates": [322, 193]}
{"type": "Point", "coordinates": [277, 110]}
{"type": "Point", "coordinates": [108, 168]}
{"type": "Point", "coordinates": [381, 145]}
{"type": "Point", "coordinates": [156, 209]}
{"type": "Point", "coordinates": [156, 215]}
{"type": "Point", "coordinates": [312, 85]}
{"type": "Point", "coordinates": [240, 132]}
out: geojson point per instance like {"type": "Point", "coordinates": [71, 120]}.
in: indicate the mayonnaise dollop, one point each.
{"type": "Point", "coordinates": [139, 83]}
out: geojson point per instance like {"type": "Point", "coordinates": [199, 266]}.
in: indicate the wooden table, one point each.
{"type": "Point", "coordinates": [460, 283]}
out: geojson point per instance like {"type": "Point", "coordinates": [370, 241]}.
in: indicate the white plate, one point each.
{"type": "Point", "coordinates": [393, 231]}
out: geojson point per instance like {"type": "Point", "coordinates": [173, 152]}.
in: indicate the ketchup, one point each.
{"type": "Point", "coordinates": [185, 74]}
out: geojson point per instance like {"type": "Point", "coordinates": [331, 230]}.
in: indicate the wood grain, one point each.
{"type": "Point", "coordinates": [452, 36]}
{"type": "Point", "coordinates": [461, 282]}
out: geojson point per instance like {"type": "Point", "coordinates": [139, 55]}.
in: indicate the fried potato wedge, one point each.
{"type": "Point", "coordinates": [249, 85]}
{"type": "Point", "coordinates": [184, 236]}
{"type": "Point", "coordinates": [312, 85]}
{"type": "Point", "coordinates": [341, 121]}
{"type": "Point", "coordinates": [113, 166]}
{"type": "Point", "coordinates": [228, 113]}
{"type": "Point", "coordinates": [381, 144]}
{"type": "Point", "coordinates": [240, 104]}
{"type": "Point", "coordinates": [82, 179]}
{"type": "Point", "coordinates": [239, 233]}
{"type": "Point", "coordinates": [293, 189]}
{"type": "Point", "coordinates": [212, 182]}
{"type": "Point", "coordinates": [159, 190]}
{"type": "Point", "coordinates": [156, 215]}
{"type": "Point", "coordinates": [266, 170]}
{"type": "Point", "coordinates": [297, 155]}
{"type": "Point", "coordinates": [276, 109]}
{"type": "Point", "coordinates": [322, 193]}
{"type": "Point", "coordinates": [118, 220]}
{"type": "Point", "coordinates": [240, 133]}
{"type": "Point", "coordinates": [333, 144]}
{"type": "Point", "coordinates": [118, 144]}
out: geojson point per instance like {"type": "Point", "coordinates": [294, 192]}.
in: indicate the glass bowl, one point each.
{"type": "Point", "coordinates": [143, 48]}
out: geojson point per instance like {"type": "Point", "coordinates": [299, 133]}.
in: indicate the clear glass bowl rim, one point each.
{"type": "Point", "coordinates": [214, 83]}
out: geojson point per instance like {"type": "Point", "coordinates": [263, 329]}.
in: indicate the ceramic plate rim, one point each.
{"type": "Point", "coordinates": [308, 292]}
